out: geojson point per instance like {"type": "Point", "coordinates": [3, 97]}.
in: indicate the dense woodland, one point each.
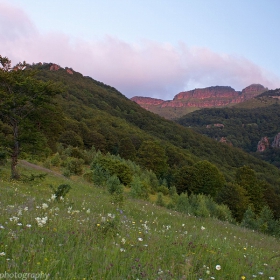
{"type": "Point", "coordinates": [243, 126]}
{"type": "Point", "coordinates": [87, 117]}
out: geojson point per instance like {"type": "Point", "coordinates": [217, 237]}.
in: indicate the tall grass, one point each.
{"type": "Point", "coordinates": [87, 236]}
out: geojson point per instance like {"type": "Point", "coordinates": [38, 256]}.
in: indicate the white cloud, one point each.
{"type": "Point", "coordinates": [146, 69]}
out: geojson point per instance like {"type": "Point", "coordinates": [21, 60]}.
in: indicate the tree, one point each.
{"type": "Point", "coordinates": [201, 178]}
{"type": "Point", "coordinates": [236, 198]}
{"type": "Point", "coordinates": [21, 94]}
{"type": "Point", "coordinates": [151, 155]}
{"type": "Point", "coordinates": [246, 178]}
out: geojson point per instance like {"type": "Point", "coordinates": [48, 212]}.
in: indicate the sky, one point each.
{"type": "Point", "coordinates": [153, 48]}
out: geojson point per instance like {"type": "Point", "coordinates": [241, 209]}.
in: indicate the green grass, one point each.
{"type": "Point", "coordinates": [87, 236]}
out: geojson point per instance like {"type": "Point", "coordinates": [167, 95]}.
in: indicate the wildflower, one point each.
{"type": "Point", "coordinates": [19, 224]}
{"type": "Point", "coordinates": [140, 239]}
{"type": "Point", "coordinates": [25, 208]}
{"type": "Point", "coordinates": [41, 221]}
{"type": "Point", "coordinates": [45, 206]}
{"type": "Point", "coordinates": [218, 267]}
{"type": "Point", "coordinates": [88, 211]}
{"type": "Point", "coordinates": [53, 197]}
{"type": "Point", "coordinates": [14, 219]}
{"type": "Point", "coordinates": [183, 225]}
{"type": "Point", "coordinates": [122, 249]}
{"type": "Point", "coordinates": [98, 225]}
{"type": "Point", "coordinates": [123, 241]}
{"type": "Point", "coordinates": [207, 271]}
{"type": "Point", "coordinates": [260, 273]}
{"type": "Point", "coordinates": [271, 278]}
{"type": "Point", "coordinates": [2, 254]}
{"type": "Point", "coordinates": [28, 225]}
{"type": "Point", "coordinates": [202, 228]}
{"type": "Point", "coordinates": [243, 277]}
{"type": "Point", "coordinates": [1, 227]}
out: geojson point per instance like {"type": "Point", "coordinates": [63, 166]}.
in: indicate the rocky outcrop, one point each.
{"type": "Point", "coordinates": [254, 89]}
{"type": "Point", "coordinates": [69, 71]}
{"type": "Point", "coordinates": [225, 141]}
{"type": "Point", "coordinates": [54, 67]}
{"type": "Point", "coordinates": [146, 102]}
{"type": "Point", "coordinates": [217, 96]}
{"type": "Point", "coordinates": [276, 141]}
{"type": "Point", "coordinates": [263, 144]}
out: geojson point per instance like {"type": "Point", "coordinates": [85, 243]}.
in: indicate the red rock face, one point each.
{"type": "Point", "coordinates": [263, 144]}
{"type": "Point", "coordinates": [54, 67]}
{"type": "Point", "coordinates": [210, 92]}
{"type": "Point", "coordinates": [209, 97]}
{"type": "Point", "coordinates": [69, 71]}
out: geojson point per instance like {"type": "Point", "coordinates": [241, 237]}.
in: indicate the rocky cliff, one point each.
{"type": "Point", "coordinates": [217, 96]}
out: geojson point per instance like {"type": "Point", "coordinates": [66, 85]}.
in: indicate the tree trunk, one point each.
{"type": "Point", "coordinates": [15, 154]}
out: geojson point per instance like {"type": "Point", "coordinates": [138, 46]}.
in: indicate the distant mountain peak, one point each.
{"type": "Point", "coordinates": [214, 96]}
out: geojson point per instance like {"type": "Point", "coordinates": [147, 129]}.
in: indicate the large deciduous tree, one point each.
{"type": "Point", "coordinates": [21, 94]}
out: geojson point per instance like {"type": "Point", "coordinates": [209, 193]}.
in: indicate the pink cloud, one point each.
{"type": "Point", "coordinates": [147, 69]}
{"type": "Point", "coordinates": [14, 23]}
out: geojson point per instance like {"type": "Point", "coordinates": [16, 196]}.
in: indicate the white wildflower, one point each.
{"type": "Point", "coordinates": [41, 221]}
{"type": "Point", "coordinates": [218, 267]}
{"type": "Point", "coordinates": [2, 254]}
{"type": "Point", "coordinates": [140, 239]}
{"type": "Point", "coordinates": [202, 228]}
{"type": "Point", "coordinates": [45, 206]}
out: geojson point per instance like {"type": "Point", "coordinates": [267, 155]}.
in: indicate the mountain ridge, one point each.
{"type": "Point", "coordinates": [209, 97]}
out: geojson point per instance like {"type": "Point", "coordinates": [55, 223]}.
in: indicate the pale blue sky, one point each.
{"type": "Point", "coordinates": [206, 42]}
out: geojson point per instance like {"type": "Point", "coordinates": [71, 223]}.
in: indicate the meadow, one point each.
{"type": "Point", "coordinates": [86, 235]}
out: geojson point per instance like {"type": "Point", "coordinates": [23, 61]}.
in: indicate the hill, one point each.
{"type": "Point", "coordinates": [189, 101]}
{"type": "Point", "coordinates": [244, 125]}
{"type": "Point", "coordinates": [84, 235]}
{"type": "Point", "coordinates": [90, 114]}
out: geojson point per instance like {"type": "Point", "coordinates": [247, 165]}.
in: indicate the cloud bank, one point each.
{"type": "Point", "coordinates": [146, 69]}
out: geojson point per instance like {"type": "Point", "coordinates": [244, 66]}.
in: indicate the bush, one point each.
{"type": "Point", "coordinates": [160, 201]}
{"type": "Point", "coordinates": [73, 166]}
{"type": "Point", "coordinates": [55, 160]}
{"type": "Point", "coordinates": [115, 188]}
{"type": "Point", "coordinates": [183, 204]}
{"type": "Point", "coordinates": [163, 189]}
{"type": "Point", "coordinates": [138, 188]}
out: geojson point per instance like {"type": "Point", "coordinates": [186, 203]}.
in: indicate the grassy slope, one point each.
{"type": "Point", "coordinates": [142, 241]}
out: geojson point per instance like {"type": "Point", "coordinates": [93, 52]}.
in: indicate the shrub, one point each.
{"type": "Point", "coordinates": [138, 188]}
{"type": "Point", "coordinates": [160, 201]}
{"type": "Point", "coordinates": [73, 166]}
{"type": "Point", "coordinates": [55, 160]}
{"type": "Point", "coordinates": [61, 191]}
{"type": "Point", "coordinates": [163, 189]}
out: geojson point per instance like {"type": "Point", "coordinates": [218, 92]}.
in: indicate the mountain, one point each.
{"type": "Point", "coordinates": [252, 125]}
{"type": "Point", "coordinates": [188, 101]}
{"type": "Point", "coordinates": [89, 113]}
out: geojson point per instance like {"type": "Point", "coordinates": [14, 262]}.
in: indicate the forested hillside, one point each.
{"type": "Point", "coordinates": [242, 126]}
{"type": "Point", "coordinates": [89, 114]}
